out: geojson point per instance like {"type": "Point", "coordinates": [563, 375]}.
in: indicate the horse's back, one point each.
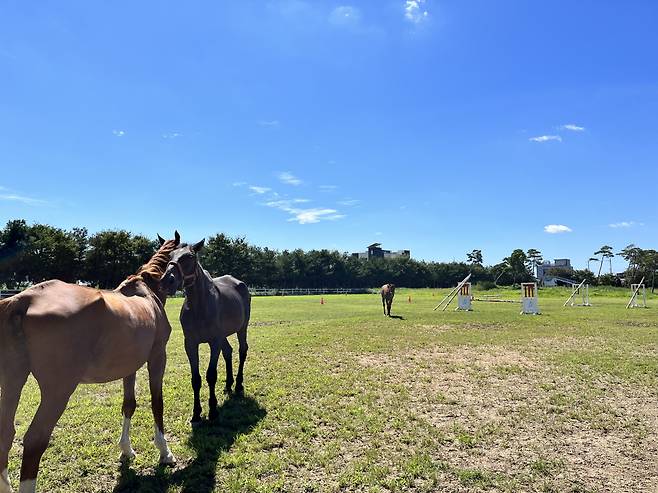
{"type": "Point", "coordinates": [236, 301]}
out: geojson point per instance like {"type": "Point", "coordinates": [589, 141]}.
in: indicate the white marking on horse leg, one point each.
{"type": "Point", "coordinates": [127, 451]}
{"type": "Point", "coordinates": [28, 486]}
{"type": "Point", "coordinates": [166, 457]}
{"type": "Point", "coordinates": [5, 486]}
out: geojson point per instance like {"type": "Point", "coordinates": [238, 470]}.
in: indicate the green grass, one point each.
{"type": "Point", "coordinates": [340, 398]}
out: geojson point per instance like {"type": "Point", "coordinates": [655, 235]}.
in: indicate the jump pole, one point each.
{"type": "Point", "coordinates": [635, 292]}
{"type": "Point", "coordinates": [576, 290]}
{"type": "Point", "coordinates": [452, 294]}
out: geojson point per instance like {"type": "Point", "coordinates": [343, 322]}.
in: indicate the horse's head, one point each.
{"type": "Point", "coordinates": [151, 272]}
{"type": "Point", "coordinates": [181, 270]}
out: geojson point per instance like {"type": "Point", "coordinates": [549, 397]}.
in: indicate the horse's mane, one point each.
{"type": "Point", "coordinates": [155, 268]}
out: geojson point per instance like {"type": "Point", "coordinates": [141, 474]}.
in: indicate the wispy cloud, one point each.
{"type": "Point", "coordinates": [573, 127]}
{"type": "Point", "coordinates": [345, 16]}
{"type": "Point", "coordinates": [13, 197]}
{"type": "Point", "coordinates": [118, 133]}
{"type": "Point", "coordinates": [171, 135]}
{"type": "Point", "coordinates": [545, 138]}
{"type": "Point", "coordinates": [625, 224]}
{"type": "Point", "coordinates": [414, 12]}
{"type": "Point", "coordinates": [305, 215]}
{"type": "Point", "coordinates": [268, 123]}
{"type": "Point", "coordinates": [328, 188]}
{"type": "Point", "coordinates": [239, 183]}
{"type": "Point", "coordinates": [557, 229]}
{"type": "Point", "coordinates": [349, 202]}
{"type": "Point", "coordinates": [259, 190]}
{"type": "Point", "coordinates": [289, 179]}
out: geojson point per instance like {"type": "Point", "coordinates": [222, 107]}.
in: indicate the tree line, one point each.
{"type": "Point", "coordinates": [33, 253]}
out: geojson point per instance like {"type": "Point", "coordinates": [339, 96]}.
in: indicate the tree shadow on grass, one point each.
{"type": "Point", "coordinates": [237, 415]}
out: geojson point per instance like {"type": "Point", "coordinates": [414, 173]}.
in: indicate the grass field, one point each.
{"type": "Point", "coordinates": [340, 398]}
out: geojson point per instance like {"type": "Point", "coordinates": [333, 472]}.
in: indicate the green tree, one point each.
{"type": "Point", "coordinates": [475, 257]}
{"type": "Point", "coordinates": [535, 258]}
{"type": "Point", "coordinates": [113, 255]}
{"type": "Point", "coordinates": [606, 253]}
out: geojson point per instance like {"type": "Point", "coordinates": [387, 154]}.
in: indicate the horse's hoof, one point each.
{"type": "Point", "coordinates": [127, 455]}
{"type": "Point", "coordinates": [168, 460]}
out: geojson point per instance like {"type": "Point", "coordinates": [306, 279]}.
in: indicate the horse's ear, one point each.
{"type": "Point", "coordinates": [161, 240]}
{"type": "Point", "coordinates": [176, 237]}
{"type": "Point", "coordinates": [196, 248]}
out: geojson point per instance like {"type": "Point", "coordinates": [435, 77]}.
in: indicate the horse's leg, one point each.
{"type": "Point", "coordinates": [389, 303]}
{"type": "Point", "coordinates": [244, 347]}
{"type": "Point", "coordinates": [211, 378]}
{"type": "Point", "coordinates": [156, 368]}
{"type": "Point", "coordinates": [227, 352]}
{"type": "Point", "coordinates": [54, 398]}
{"type": "Point", "coordinates": [11, 389]}
{"type": "Point", "coordinates": [128, 409]}
{"type": "Point", "coordinates": [192, 351]}
{"type": "Point", "coordinates": [384, 305]}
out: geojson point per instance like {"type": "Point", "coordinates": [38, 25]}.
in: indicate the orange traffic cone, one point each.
{"type": "Point", "coordinates": [322, 301]}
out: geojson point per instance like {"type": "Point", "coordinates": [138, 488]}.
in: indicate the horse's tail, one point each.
{"type": "Point", "coordinates": [12, 338]}
{"type": "Point", "coordinates": [246, 298]}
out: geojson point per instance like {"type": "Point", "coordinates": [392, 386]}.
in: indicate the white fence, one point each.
{"type": "Point", "coordinates": [307, 291]}
{"type": "Point", "coordinates": [6, 293]}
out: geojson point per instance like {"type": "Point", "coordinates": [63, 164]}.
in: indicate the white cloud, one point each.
{"type": "Point", "coordinates": [289, 179]}
{"type": "Point", "coordinates": [268, 123]}
{"type": "Point", "coordinates": [12, 197]}
{"type": "Point", "coordinates": [328, 188]}
{"type": "Point", "coordinates": [349, 202]}
{"type": "Point", "coordinates": [345, 16]}
{"type": "Point", "coordinates": [309, 216]}
{"type": "Point", "coordinates": [546, 138]}
{"type": "Point", "coordinates": [305, 216]}
{"type": "Point", "coordinates": [573, 127]}
{"type": "Point", "coordinates": [239, 183]}
{"type": "Point", "coordinates": [118, 133]}
{"type": "Point", "coordinates": [625, 224]}
{"type": "Point", "coordinates": [171, 135]}
{"type": "Point", "coordinates": [557, 228]}
{"type": "Point", "coordinates": [413, 11]}
{"type": "Point", "coordinates": [259, 190]}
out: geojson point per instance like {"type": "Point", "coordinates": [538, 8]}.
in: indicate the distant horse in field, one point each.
{"type": "Point", "coordinates": [64, 335]}
{"type": "Point", "coordinates": [213, 310]}
{"type": "Point", "coordinates": [388, 292]}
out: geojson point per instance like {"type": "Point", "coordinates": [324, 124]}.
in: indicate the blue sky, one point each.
{"type": "Point", "coordinates": [437, 126]}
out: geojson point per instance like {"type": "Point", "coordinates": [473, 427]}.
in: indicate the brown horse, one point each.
{"type": "Point", "coordinates": [64, 335]}
{"type": "Point", "coordinates": [388, 292]}
{"type": "Point", "coordinates": [213, 310]}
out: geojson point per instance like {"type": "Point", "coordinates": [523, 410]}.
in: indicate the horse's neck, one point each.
{"type": "Point", "coordinates": [197, 292]}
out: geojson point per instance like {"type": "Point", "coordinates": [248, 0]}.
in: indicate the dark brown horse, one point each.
{"type": "Point", "coordinates": [388, 292]}
{"type": "Point", "coordinates": [213, 310]}
{"type": "Point", "coordinates": [64, 335]}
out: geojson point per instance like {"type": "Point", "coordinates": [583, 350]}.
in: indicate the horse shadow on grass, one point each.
{"type": "Point", "coordinates": [237, 415]}
{"type": "Point", "coordinates": [397, 317]}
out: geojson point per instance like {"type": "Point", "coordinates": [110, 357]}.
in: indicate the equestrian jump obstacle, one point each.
{"type": "Point", "coordinates": [451, 295]}
{"type": "Point", "coordinates": [463, 291]}
{"type": "Point", "coordinates": [529, 300]}
{"type": "Point", "coordinates": [579, 289]}
{"type": "Point", "coordinates": [636, 288]}
{"type": "Point", "coordinates": [464, 297]}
